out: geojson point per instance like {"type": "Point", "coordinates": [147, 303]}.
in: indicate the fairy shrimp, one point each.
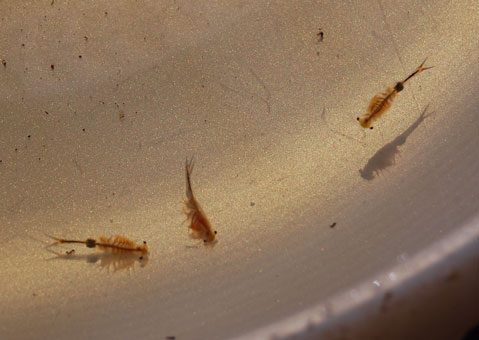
{"type": "Point", "coordinates": [382, 102]}
{"type": "Point", "coordinates": [117, 244]}
{"type": "Point", "coordinates": [106, 260]}
{"type": "Point", "coordinates": [199, 223]}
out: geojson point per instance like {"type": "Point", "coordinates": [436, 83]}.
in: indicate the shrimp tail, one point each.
{"type": "Point", "coordinates": [189, 169]}
{"type": "Point", "coordinates": [56, 240]}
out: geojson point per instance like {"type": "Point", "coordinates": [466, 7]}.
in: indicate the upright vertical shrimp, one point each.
{"type": "Point", "coordinates": [382, 102]}
{"type": "Point", "coordinates": [199, 223]}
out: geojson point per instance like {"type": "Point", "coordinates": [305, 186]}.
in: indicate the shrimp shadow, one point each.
{"type": "Point", "coordinates": [202, 244]}
{"type": "Point", "coordinates": [386, 156]}
{"type": "Point", "coordinates": [108, 261]}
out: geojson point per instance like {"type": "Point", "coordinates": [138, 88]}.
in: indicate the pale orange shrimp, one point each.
{"type": "Point", "coordinates": [382, 102]}
{"type": "Point", "coordinates": [199, 223]}
{"type": "Point", "coordinates": [116, 245]}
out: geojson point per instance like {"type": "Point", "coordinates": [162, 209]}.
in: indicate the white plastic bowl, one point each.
{"type": "Point", "coordinates": [102, 102]}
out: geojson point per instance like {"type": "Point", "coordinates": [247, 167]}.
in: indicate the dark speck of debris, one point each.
{"type": "Point", "coordinates": [83, 130]}
{"type": "Point", "coordinates": [385, 303]}
{"type": "Point", "coordinates": [16, 149]}
{"type": "Point", "coordinates": [23, 45]}
{"type": "Point", "coordinates": [320, 35]}
{"type": "Point", "coordinates": [4, 62]}
{"type": "Point", "coordinates": [252, 204]}
{"type": "Point", "coordinates": [452, 276]}
{"type": "Point", "coordinates": [79, 56]}
{"type": "Point", "coordinates": [52, 67]}
{"type": "Point", "coordinates": [333, 225]}
{"type": "Point", "coordinates": [46, 112]}
{"type": "Point", "coordinates": [85, 37]}
{"type": "Point", "coordinates": [0, 161]}
{"type": "Point", "coordinates": [29, 136]}
{"type": "Point", "coordinates": [39, 158]}
{"type": "Point", "coordinates": [106, 13]}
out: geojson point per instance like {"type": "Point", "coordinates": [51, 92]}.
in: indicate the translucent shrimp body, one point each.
{"type": "Point", "coordinates": [199, 223]}
{"type": "Point", "coordinates": [382, 102]}
{"type": "Point", "coordinates": [117, 244]}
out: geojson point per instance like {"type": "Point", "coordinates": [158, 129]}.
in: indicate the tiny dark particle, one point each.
{"type": "Point", "coordinates": [386, 301]}
{"type": "Point", "coordinates": [320, 35]}
{"type": "Point", "coordinates": [83, 130]}
{"type": "Point", "coordinates": [106, 13]}
{"type": "Point", "coordinates": [252, 204]}
{"type": "Point", "coordinates": [333, 225]}
{"type": "Point", "coordinates": [452, 276]}
{"type": "Point", "coordinates": [29, 136]}
{"type": "Point", "coordinates": [23, 45]}
{"type": "Point", "coordinates": [4, 62]}
{"type": "Point", "coordinates": [46, 112]}
{"type": "Point", "coordinates": [16, 149]}
{"type": "Point", "coordinates": [52, 67]}
{"type": "Point", "coordinates": [0, 161]}
{"type": "Point", "coordinates": [86, 38]}
{"type": "Point", "coordinates": [80, 56]}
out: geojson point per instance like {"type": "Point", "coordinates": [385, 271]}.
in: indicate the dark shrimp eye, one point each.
{"type": "Point", "coordinates": [204, 241]}
{"type": "Point", "coordinates": [216, 232]}
{"type": "Point", "coordinates": [144, 242]}
{"type": "Point", "coordinates": [371, 127]}
{"type": "Point", "coordinates": [357, 118]}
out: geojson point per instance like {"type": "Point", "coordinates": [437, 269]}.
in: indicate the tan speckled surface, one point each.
{"type": "Point", "coordinates": [242, 86]}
